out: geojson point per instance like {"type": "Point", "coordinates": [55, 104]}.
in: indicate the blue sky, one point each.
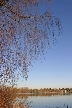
{"type": "Point", "coordinates": [56, 69]}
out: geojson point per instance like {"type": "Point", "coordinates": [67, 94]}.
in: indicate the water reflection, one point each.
{"type": "Point", "coordinates": [51, 101]}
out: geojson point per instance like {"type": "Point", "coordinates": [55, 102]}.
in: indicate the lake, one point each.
{"type": "Point", "coordinates": [54, 101]}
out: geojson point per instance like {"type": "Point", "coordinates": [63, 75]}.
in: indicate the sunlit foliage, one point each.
{"type": "Point", "coordinates": [24, 35]}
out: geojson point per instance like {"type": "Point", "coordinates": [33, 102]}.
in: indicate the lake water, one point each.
{"type": "Point", "coordinates": [61, 101]}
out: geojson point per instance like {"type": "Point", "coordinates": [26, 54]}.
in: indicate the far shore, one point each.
{"type": "Point", "coordinates": [50, 93]}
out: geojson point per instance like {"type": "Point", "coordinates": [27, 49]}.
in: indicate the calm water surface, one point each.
{"type": "Point", "coordinates": [60, 101]}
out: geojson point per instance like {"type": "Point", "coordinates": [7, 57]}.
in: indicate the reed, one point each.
{"type": "Point", "coordinates": [7, 98]}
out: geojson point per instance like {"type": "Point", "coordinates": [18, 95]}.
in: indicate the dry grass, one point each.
{"type": "Point", "coordinates": [8, 98]}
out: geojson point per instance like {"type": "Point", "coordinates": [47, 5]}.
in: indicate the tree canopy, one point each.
{"type": "Point", "coordinates": [24, 35]}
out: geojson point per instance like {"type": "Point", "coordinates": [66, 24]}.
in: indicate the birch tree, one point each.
{"type": "Point", "coordinates": [24, 35]}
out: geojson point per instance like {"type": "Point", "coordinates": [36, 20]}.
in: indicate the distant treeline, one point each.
{"type": "Point", "coordinates": [44, 90]}
{"type": "Point", "coordinates": [26, 90]}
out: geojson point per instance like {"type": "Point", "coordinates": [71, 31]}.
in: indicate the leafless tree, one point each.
{"type": "Point", "coordinates": [24, 35]}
